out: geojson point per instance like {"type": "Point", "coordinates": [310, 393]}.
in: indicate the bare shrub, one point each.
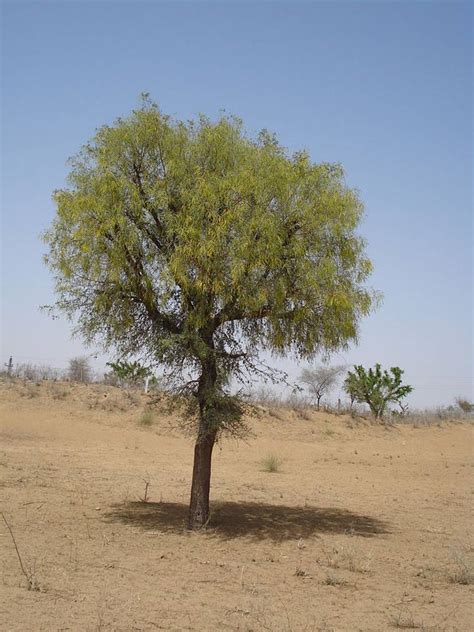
{"type": "Point", "coordinates": [264, 396]}
{"type": "Point", "coordinates": [35, 372]}
{"type": "Point", "coordinates": [429, 417]}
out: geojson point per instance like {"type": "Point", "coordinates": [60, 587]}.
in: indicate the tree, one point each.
{"type": "Point", "coordinates": [80, 370]}
{"type": "Point", "coordinates": [320, 381]}
{"type": "Point", "coordinates": [196, 246]}
{"type": "Point", "coordinates": [464, 404]}
{"type": "Point", "coordinates": [376, 388]}
{"type": "Point", "coordinates": [129, 372]}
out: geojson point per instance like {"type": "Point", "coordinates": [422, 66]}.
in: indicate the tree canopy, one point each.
{"type": "Point", "coordinates": [376, 388]}
{"type": "Point", "coordinates": [194, 246]}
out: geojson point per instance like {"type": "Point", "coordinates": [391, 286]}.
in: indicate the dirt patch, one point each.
{"type": "Point", "coordinates": [361, 528]}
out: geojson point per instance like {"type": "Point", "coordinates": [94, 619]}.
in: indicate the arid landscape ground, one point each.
{"type": "Point", "coordinates": [362, 527]}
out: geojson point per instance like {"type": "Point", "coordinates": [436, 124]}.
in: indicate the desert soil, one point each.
{"type": "Point", "coordinates": [362, 528]}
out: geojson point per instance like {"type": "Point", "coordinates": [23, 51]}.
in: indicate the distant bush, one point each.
{"type": "Point", "coordinates": [36, 373]}
{"type": "Point", "coordinates": [465, 405]}
{"type": "Point", "coordinates": [320, 381]}
{"type": "Point", "coordinates": [80, 370]}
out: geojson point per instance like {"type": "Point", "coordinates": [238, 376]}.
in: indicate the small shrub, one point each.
{"type": "Point", "coordinates": [146, 418]}
{"type": "Point", "coordinates": [464, 569]}
{"type": "Point", "coordinates": [405, 621]}
{"type": "Point", "coordinates": [271, 463]}
{"type": "Point", "coordinates": [334, 580]}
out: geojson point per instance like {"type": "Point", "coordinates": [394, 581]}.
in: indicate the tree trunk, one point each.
{"type": "Point", "coordinates": [199, 505]}
{"type": "Point", "coordinates": [207, 432]}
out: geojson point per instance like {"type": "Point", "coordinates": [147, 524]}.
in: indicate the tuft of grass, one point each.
{"type": "Point", "coordinates": [346, 558]}
{"type": "Point", "coordinates": [334, 580]}
{"type": "Point", "coordinates": [146, 418]}
{"type": "Point", "coordinates": [271, 463]}
{"type": "Point", "coordinates": [464, 569]}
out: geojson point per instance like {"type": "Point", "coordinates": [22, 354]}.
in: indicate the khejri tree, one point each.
{"type": "Point", "coordinates": [194, 246]}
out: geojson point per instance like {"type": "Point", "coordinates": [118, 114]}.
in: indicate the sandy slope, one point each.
{"type": "Point", "coordinates": [362, 529]}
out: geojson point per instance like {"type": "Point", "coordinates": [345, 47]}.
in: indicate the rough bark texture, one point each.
{"type": "Point", "coordinates": [199, 503]}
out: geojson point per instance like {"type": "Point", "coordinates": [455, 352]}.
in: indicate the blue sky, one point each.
{"type": "Point", "coordinates": [382, 87]}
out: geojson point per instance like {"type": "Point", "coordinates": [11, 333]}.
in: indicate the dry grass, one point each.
{"type": "Point", "coordinates": [463, 571]}
{"type": "Point", "coordinates": [271, 463]}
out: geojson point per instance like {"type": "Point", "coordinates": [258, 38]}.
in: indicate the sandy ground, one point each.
{"type": "Point", "coordinates": [363, 528]}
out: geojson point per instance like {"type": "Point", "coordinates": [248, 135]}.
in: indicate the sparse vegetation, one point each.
{"type": "Point", "coordinates": [463, 572]}
{"type": "Point", "coordinates": [334, 580]}
{"type": "Point", "coordinates": [147, 418]}
{"type": "Point", "coordinates": [271, 463]}
{"type": "Point", "coordinates": [29, 571]}
{"type": "Point", "coordinates": [278, 531]}
{"type": "Point", "coordinates": [404, 620]}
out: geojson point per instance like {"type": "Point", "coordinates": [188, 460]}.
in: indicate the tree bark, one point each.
{"type": "Point", "coordinates": [199, 504]}
{"type": "Point", "coordinates": [207, 432]}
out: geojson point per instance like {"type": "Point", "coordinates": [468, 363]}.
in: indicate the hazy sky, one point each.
{"type": "Point", "coordinates": [382, 87]}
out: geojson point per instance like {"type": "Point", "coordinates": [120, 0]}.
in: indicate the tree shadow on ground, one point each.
{"type": "Point", "coordinates": [254, 520]}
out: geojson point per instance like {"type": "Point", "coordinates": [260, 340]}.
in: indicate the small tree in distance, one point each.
{"type": "Point", "coordinates": [465, 405]}
{"type": "Point", "coordinates": [320, 381]}
{"type": "Point", "coordinates": [129, 372]}
{"type": "Point", "coordinates": [196, 246]}
{"type": "Point", "coordinates": [376, 388]}
{"type": "Point", "coordinates": [80, 370]}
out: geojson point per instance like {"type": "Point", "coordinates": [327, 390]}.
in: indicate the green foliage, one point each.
{"type": "Point", "coordinates": [129, 372]}
{"type": "Point", "coordinates": [376, 388]}
{"type": "Point", "coordinates": [199, 246]}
